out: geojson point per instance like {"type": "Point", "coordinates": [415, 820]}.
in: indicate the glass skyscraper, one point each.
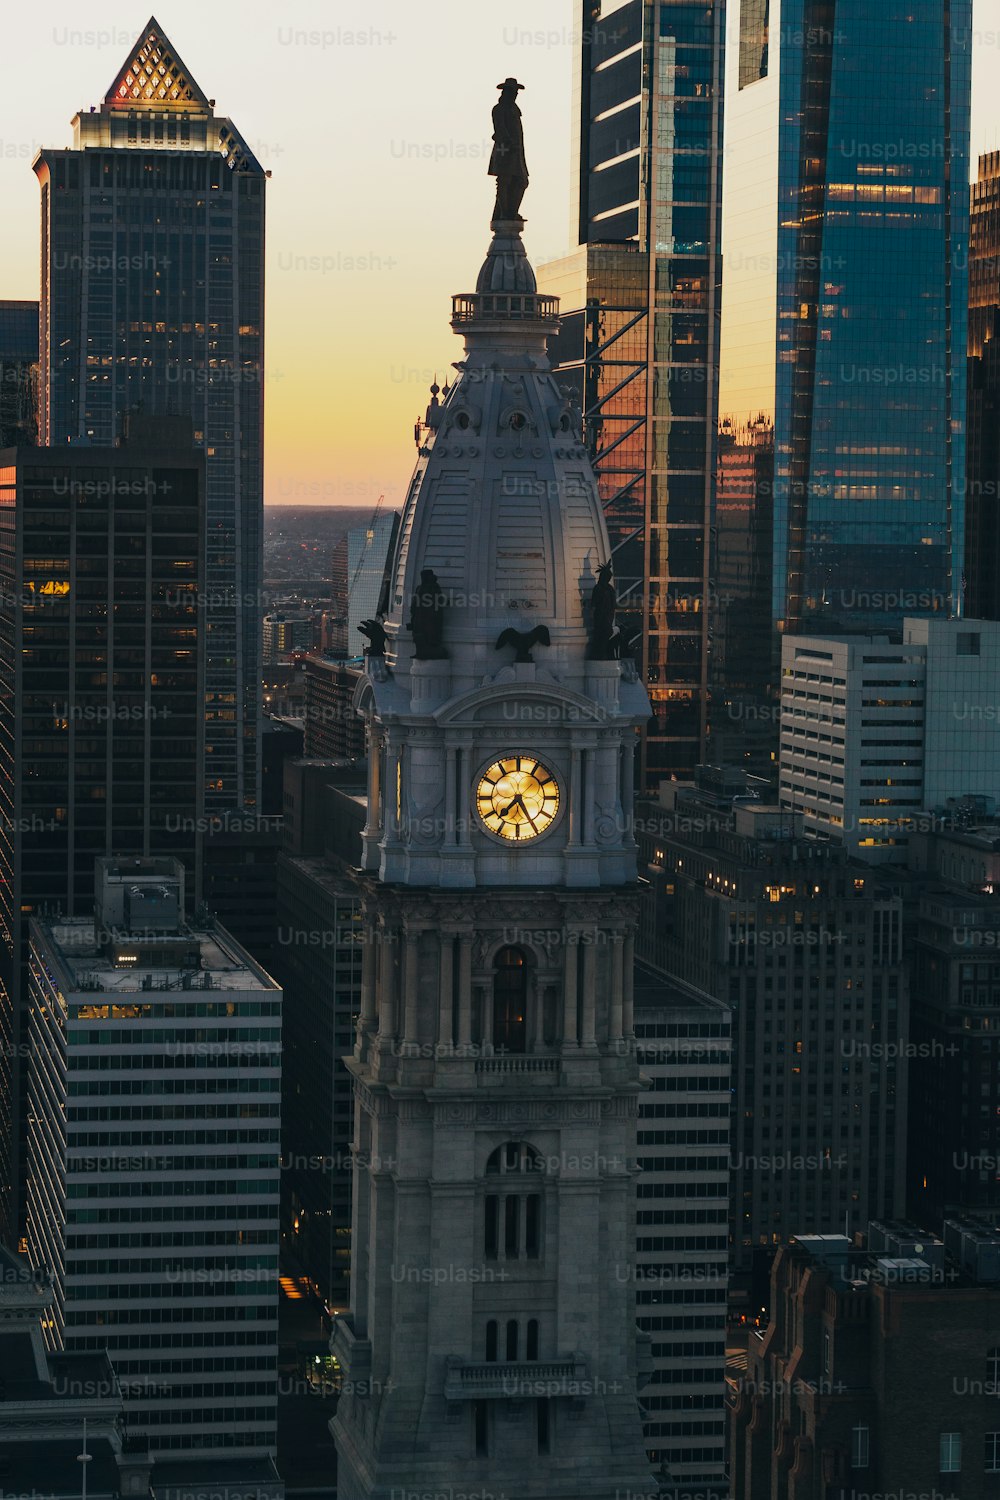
{"type": "Point", "coordinates": [845, 233]}
{"type": "Point", "coordinates": [153, 298]}
{"type": "Point", "coordinates": [639, 341]}
{"type": "Point", "coordinates": [982, 541]}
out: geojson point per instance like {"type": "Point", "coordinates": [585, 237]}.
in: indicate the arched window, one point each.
{"type": "Point", "coordinates": [491, 1341]}
{"type": "Point", "coordinates": [531, 1348]}
{"type": "Point", "coordinates": [510, 1000]}
{"type": "Point", "coordinates": [513, 1204]}
{"type": "Point", "coordinates": [512, 1338]}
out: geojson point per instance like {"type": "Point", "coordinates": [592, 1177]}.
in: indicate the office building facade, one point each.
{"type": "Point", "coordinates": [806, 948]}
{"type": "Point", "coordinates": [18, 373]}
{"type": "Point", "coordinates": [875, 734]}
{"type": "Point", "coordinates": [153, 1178]}
{"type": "Point", "coordinates": [877, 1371]}
{"type": "Point", "coordinates": [639, 340]}
{"type": "Point", "coordinates": [286, 632]}
{"type": "Point", "coordinates": [101, 556]}
{"type": "Point", "coordinates": [953, 1158]}
{"type": "Point", "coordinates": [333, 730]}
{"type": "Point", "coordinates": [153, 297]}
{"type": "Point", "coordinates": [846, 229]}
{"type": "Point", "coordinates": [682, 1229]}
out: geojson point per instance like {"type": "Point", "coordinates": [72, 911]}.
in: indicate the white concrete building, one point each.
{"type": "Point", "coordinates": [153, 1166]}
{"type": "Point", "coordinates": [877, 736]}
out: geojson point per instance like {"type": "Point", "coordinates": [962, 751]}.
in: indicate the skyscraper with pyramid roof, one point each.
{"type": "Point", "coordinates": [153, 297]}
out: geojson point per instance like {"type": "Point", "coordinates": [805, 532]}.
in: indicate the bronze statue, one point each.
{"type": "Point", "coordinates": [375, 631]}
{"type": "Point", "coordinates": [507, 162]}
{"type": "Point", "coordinates": [604, 635]}
{"type": "Point", "coordinates": [523, 640]}
{"type": "Point", "coordinates": [427, 618]}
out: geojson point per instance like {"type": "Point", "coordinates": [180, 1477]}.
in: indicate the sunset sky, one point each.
{"type": "Point", "coordinates": [375, 121]}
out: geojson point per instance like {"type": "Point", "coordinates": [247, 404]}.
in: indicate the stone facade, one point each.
{"type": "Point", "coordinates": [490, 1346]}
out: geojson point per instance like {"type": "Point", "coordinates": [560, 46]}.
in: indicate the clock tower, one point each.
{"type": "Point", "coordinates": [491, 1345]}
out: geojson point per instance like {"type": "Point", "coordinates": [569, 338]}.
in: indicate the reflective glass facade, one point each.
{"type": "Point", "coordinates": [153, 294]}
{"type": "Point", "coordinates": [982, 541]}
{"type": "Point", "coordinates": [845, 229]}
{"type": "Point", "coordinates": [640, 335]}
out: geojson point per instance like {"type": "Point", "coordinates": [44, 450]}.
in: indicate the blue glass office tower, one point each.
{"type": "Point", "coordinates": [640, 342]}
{"type": "Point", "coordinates": [845, 232]}
{"type": "Point", "coordinates": [153, 298]}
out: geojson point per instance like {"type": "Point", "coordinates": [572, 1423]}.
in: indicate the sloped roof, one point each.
{"type": "Point", "coordinates": [154, 75]}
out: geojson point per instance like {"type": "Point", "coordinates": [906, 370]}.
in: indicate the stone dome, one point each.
{"type": "Point", "coordinates": [503, 506]}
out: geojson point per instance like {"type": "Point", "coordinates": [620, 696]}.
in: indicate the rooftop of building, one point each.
{"type": "Point", "coordinates": [238, 1469]}
{"type": "Point", "coordinates": [325, 871]}
{"type": "Point", "coordinates": [657, 998]}
{"type": "Point", "coordinates": [145, 441]}
{"type": "Point", "coordinates": [899, 1253]}
{"type": "Point", "coordinates": [18, 330]}
{"type": "Point", "coordinates": [50, 1466]}
{"type": "Point", "coordinates": [78, 950]}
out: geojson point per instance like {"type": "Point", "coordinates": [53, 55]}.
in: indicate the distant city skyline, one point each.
{"type": "Point", "coordinates": [359, 272]}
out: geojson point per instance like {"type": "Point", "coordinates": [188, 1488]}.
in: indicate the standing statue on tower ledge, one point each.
{"type": "Point", "coordinates": [507, 162]}
{"type": "Point", "coordinates": [427, 618]}
{"type": "Point", "coordinates": [604, 634]}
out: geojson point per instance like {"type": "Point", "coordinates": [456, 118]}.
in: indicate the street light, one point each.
{"type": "Point", "coordinates": [84, 1458]}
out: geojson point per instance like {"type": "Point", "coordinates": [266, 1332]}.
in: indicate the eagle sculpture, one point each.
{"type": "Point", "coordinates": [523, 640]}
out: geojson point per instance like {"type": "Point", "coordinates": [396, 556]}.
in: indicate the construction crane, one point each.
{"type": "Point", "coordinates": [371, 537]}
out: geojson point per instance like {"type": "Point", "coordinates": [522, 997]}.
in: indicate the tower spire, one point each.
{"type": "Point", "coordinates": [491, 1336]}
{"type": "Point", "coordinates": [154, 76]}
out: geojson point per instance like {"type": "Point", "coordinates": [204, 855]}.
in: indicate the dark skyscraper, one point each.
{"type": "Point", "coordinates": [100, 684]}
{"type": "Point", "coordinates": [982, 542]}
{"type": "Point", "coordinates": [845, 224]}
{"type": "Point", "coordinates": [640, 342]}
{"type": "Point", "coordinates": [153, 296]}
{"type": "Point", "coordinates": [18, 373]}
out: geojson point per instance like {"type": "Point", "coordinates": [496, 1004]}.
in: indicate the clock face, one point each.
{"type": "Point", "coordinates": [517, 798]}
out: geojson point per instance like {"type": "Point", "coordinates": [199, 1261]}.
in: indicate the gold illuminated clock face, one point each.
{"type": "Point", "coordinates": [517, 798]}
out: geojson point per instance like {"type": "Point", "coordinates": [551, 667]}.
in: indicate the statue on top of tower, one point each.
{"type": "Point", "coordinates": [507, 163]}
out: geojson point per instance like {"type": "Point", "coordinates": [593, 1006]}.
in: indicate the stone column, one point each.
{"type": "Point", "coordinates": [446, 1016]}
{"type": "Point", "coordinates": [628, 983]}
{"type": "Point", "coordinates": [537, 998]}
{"type": "Point", "coordinates": [464, 807]}
{"type": "Point", "coordinates": [465, 991]}
{"type": "Point", "coordinates": [573, 836]}
{"type": "Point", "coordinates": [410, 954]}
{"type": "Point", "coordinates": [392, 772]}
{"type": "Point", "coordinates": [486, 1013]}
{"type": "Point", "coordinates": [589, 761]}
{"type": "Point", "coordinates": [368, 964]}
{"type": "Point", "coordinates": [617, 988]}
{"type": "Point", "coordinates": [375, 781]}
{"type": "Point", "coordinates": [449, 831]}
{"type": "Point", "coordinates": [569, 992]}
{"type": "Point", "coordinates": [589, 1038]}
{"type": "Point", "coordinates": [628, 782]}
{"type": "Point", "coordinates": [387, 985]}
